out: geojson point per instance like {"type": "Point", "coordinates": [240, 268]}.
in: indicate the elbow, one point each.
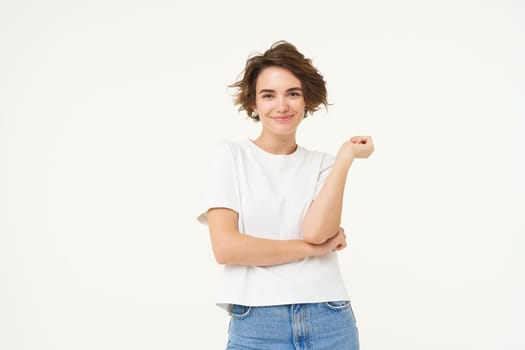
{"type": "Point", "coordinates": [220, 260]}
{"type": "Point", "coordinates": [313, 232]}
{"type": "Point", "coordinates": [313, 237]}
{"type": "Point", "coordinates": [223, 244]}
{"type": "Point", "coordinates": [224, 252]}
{"type": "Point", "coordinates": [221, 256]}
{"type": "Point", "coordinates": [317, 234]}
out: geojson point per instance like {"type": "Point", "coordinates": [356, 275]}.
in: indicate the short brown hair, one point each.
{"type": "Point", "coordinates": [285, 55]}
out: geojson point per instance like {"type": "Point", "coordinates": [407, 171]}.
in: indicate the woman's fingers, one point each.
{"type": "Point", "coordinates": [361, 139]}
{"type": "Point", "coordinates": [361, 146]}
{"type": "Point", "coordinates": [342, 244]}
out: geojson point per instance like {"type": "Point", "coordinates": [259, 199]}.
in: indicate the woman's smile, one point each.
{"type": "Point", "coordinates": [283, 118]}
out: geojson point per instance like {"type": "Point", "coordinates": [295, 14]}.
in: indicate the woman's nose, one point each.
{"type": "Point", "coordinates": [282, 105]}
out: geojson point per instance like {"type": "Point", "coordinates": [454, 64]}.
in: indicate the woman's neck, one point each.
{"type": "Point", "coordinates": [277, 144]}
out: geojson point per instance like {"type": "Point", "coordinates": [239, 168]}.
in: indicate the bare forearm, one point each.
{"type": "Point", "coordinates": [234, 248]}
{"type": "Point", "coordinates": [243, 249]}
{"type": "Point", "coordinates": [323, 218]}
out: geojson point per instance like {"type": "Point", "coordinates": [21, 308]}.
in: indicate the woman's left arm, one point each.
{"type": "Point", "coordinates": [323, 217]}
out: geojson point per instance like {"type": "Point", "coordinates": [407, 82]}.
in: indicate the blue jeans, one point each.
{"type": "Point", "coordinates": [316, 326]}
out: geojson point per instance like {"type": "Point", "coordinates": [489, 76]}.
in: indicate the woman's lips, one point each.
{"type": "Point", "coordinates": [283, 118]}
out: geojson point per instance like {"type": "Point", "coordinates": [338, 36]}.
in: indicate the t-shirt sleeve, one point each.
{"type": "Point", "coordinates": [327, 162]}
{"type": "Point", "coordinates": [221, 189]}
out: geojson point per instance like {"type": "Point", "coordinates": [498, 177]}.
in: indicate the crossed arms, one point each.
{"type": "Point", "coordinates": [321, 229]}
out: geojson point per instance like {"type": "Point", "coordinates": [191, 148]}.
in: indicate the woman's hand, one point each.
{"type": "Point", "coordinates": [343, 244]}
{"type": "Point", "coordinates": [337, 242]}
{"type": "Point", "coordinates": [357, 147]}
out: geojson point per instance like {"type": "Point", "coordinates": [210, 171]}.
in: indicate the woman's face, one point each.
{"type": "Point", "coordinates": [279, 101]}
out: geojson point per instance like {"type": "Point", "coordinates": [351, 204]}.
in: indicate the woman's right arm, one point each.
{"type": "Point", "coordinates": [234, 248]}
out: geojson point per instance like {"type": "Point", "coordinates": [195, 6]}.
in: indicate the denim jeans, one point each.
{"type": "Point", "coordinates": [315, 326]}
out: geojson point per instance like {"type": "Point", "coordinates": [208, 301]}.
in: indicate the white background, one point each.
{"type": "Point", "coordinates": [108, 110]}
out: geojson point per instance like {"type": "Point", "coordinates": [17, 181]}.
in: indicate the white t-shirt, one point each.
{"type": "Point", "coordinates": [271, 194]}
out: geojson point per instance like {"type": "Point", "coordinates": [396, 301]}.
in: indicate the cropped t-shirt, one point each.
{"type": "Point", "coordinates": [271, 194]}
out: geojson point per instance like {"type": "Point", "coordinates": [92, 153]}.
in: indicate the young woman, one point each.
{"type": "Point", "coordinates": [273, 209]}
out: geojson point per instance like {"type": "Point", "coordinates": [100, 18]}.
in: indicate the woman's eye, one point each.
{"type": "Point", "coordinates": [266, 96]}
{"type": "Point", "coordinates": [295, 94]}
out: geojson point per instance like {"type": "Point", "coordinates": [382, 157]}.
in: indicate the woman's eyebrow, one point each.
{"type": "Point", "coordinates": [262, 91]}
{"type": "Point", "coordinates": [296, 88]}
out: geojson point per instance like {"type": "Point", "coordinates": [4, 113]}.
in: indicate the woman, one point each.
{"type": "Point", "coordinates": [274, 210]}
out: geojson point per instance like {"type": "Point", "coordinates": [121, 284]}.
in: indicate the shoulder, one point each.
{"type": "Point", "coordinates": [225, 150]}
{"type": "Point", "coordinates": [226, 147]}
{"type": "Point", "coordinates": [325, 160]}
